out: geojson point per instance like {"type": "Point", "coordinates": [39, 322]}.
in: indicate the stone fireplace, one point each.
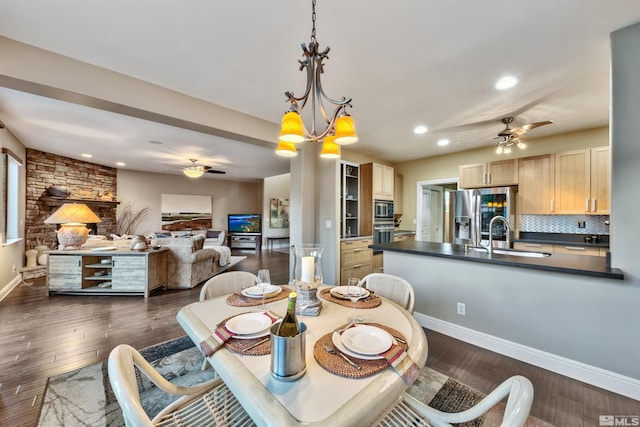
{"type": "Point", "coordinates": [88, 183]}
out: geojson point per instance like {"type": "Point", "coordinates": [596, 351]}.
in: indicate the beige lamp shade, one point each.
{"type": "Point", "coordinates": [73, 217]}
{"type": "Point", "coordinates": [73, 213]}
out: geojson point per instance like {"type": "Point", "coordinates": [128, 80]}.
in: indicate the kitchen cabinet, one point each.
{"type": "Point", "coordinates": [378, 180]}
{"type": "Point", "coordinates": [349, 199]}
{"type": "Point", "coordinates": [398, 195]}
{"type": "Point", "coordinates": [536, 184]}
{"type": "Point", "coordinates": [355, 258]}
{"type": "Point", "coordinates": [569, 248]}
{"type": "Point", "coordinates": [96, 272]}
{"type": "Point", "coordinates": [583, 181]}
{"type": "Point", "coordinates": [492, 174]}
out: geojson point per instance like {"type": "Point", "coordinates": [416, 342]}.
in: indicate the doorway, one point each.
{"type": "Point", "coordinates": [432, 216]}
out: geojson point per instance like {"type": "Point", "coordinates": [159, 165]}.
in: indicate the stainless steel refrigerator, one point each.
{"type": "Point", "coordinates": [472, 210]}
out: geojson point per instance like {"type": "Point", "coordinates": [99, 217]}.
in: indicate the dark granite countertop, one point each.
{"type": "Point", "coordinates": [586, 240]}
{"type": "Point", "coordinates": [560, 263]}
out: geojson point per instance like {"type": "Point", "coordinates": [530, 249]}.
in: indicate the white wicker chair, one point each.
{"type": "Point", "coordinates": [408, 411]}
{"type": "Point", "coordinates": [225, 284]}
{"type": "Point", "coordinates": [393, 287]}
{"type": "Point", "coordinates": [208, 404]}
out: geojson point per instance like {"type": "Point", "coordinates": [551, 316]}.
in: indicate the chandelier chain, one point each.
{"type": "Point", "coordinates": [313, 21]}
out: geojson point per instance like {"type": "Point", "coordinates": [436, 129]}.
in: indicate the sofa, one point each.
{"type": "Point", "coordinates": [189, 262]}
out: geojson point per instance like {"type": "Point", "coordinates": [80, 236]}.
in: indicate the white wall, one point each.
{"type": "Point", "coordinates": [13, 254]}
{"type": "Point", "coordinates": [274, 187]}
{"type": "Point", "coordinates": [144, 189]}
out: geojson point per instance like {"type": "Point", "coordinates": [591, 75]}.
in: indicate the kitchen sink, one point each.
{"type": "Point", "coordinates": [511, 252]}
{"type": "Point", "coordinates": [514, 252]}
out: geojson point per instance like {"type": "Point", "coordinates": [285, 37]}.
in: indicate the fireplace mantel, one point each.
{"type": "Point", "coordinates": [53, 201]}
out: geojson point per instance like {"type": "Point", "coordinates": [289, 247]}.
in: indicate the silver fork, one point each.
{"type": "Point", "coordinates": [332, 350]}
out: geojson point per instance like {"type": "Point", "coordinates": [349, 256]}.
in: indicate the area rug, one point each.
{"type": "Point", "coordinates": [84, 397]}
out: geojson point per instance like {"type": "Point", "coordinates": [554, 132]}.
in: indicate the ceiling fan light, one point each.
{"type": "Point", "coordinates": [345, 130]}
{"type": "Point", "coordinates": [507, 149]}
{"type": "Point", "coordinates": [499, 149]}
{"type": "Point", "coordinates": [193, 171]}
{"type": "Point", "coordinates": [330, 150]}
{"type": "Point", "coordinates": [292, 129]}
{"type": "Point", "coordinates": [286, 149]}
{"type": "Point", "coordinates": [521, 145]}
{"type": "Point", "coordinates": [506, 83]}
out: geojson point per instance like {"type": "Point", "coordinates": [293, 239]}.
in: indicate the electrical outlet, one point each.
{"type": "Point", "coordinates": [13, 268]}
{"type": "Point", "coordinates": [462, 309]}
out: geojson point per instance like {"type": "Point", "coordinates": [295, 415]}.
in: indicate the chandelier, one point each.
{"type": "Point", "coordinates": [338, 128]}
{"type": "Point", "coordinates": [504, 145]}
{"type": "Point", "coordinates": [193, 170]}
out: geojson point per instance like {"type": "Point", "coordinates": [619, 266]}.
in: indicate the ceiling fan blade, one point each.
{"type": "Point", "coordinates": [521, 130]}
{"type": "Point", "coordinates": [215, 171]}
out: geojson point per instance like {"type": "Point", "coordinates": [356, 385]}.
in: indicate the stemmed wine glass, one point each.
{"type": "Point", "coordinates": [354, 292]}
{"type": "Point", "coordinates": [264, 281]}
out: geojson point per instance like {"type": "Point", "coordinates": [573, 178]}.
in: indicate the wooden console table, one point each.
{"type": "Point", "coordinates": [107, 272]}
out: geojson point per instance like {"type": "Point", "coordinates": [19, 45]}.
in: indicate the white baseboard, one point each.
{"type": "Point", "coordinates": [10, 286]}
{"type": "Point", "coordinates": [598, 377]}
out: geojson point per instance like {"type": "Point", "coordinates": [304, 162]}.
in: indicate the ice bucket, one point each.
{"type": "Point", "coordinates": [287, 354]}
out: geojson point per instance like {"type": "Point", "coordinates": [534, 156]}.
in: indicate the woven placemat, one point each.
{"type": "Point", "coordinates": [239, 300]}
{"type": "Point", "coordinates": [338, 366]}
{"type": "Point", "coordinates": [371, 301]}
{"type": "Point", "coordinates": [239, 346]}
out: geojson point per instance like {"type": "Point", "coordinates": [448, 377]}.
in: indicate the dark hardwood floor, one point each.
{"type": "Point", "coordinates": [43, 336]}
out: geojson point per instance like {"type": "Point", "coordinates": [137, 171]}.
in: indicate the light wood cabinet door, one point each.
{"type": "Point", "coordinates": [502, 172]}
{"type": "Point", "coordinates": [536, 185]}
{"type": "Point", "coordinates": [471, 176]}
{"type": "Point", "coordinates": [382, 182]}
{"type": "Point", "coordinates": [573, 182]}
{"type": "Point", "coordinates": [600, 180]}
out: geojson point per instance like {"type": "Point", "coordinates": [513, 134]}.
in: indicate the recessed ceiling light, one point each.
{"type": "Point", "coordinates": [506, 83]}
{"type": "Point", "coordinates": [120, 164]}
{"type": "Point", "coordinates": [88, 156]}
{"type": "Point", "coordinates": [420, 130]}
{"type": "Point", "coordinates": [443, 142]}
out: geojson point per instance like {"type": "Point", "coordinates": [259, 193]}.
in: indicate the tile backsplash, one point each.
{"type": "Point", "coordinates": [594, 224]}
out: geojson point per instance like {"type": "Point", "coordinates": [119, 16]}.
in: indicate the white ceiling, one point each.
{"type": "Point", "coordinates": [404, 63]}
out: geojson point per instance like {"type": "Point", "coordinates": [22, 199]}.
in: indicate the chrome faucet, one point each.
{"type": "Point", "coordinates": [506, 223]}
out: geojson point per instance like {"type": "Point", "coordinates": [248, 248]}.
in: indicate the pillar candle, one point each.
{"type": "Point", "coordinates": [307, 269]}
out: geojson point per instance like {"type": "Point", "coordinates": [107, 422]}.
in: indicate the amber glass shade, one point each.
{"type": "Point", "coordinates": [286, 149]}
{"type": "Point", "coordinates": [292, 129]}
{"type": "Point", "coordinates": [345, 130]}
{"type": "Point", "coordinates": [330, 150]}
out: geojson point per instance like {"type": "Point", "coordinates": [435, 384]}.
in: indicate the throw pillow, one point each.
{"type": "Point", "coordinates": [213, 234]}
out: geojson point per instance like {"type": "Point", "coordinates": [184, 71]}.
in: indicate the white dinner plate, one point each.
{"type": "Point", "coordinates": [256, 292]}
{"type": "Point", "coordinates": [341, 292]}
{"type": "Point", "coordinates": [367, 340]}
{"type": "Point", "coordinates": [248, 323]}
{"type": "Point", "coordinates": [337, 341]}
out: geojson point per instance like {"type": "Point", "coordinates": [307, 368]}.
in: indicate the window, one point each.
{"type": "Point", "coordinates": [10, 200]}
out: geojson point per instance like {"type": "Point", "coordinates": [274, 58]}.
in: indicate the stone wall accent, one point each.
{"type": "Point", "coordinates": [89, 183]}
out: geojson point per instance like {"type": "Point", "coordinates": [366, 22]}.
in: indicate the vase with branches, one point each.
{"type": "Point", "coordinates": [130, 218]}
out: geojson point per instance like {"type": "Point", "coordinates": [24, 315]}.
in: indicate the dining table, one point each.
{"type": "Point", "coordinates": [319, 397]}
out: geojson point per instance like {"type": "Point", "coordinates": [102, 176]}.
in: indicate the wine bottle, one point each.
{"type": "Point", "coordinates": [289, 325]}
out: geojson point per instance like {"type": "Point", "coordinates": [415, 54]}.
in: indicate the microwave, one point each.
{"type": "Point", "coordinates": [382, 210]}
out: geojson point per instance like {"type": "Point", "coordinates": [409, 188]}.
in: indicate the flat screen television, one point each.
{"type": "Point", "coordinates": [245, 224]}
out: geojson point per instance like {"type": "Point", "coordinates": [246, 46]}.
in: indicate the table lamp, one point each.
{"type": "Point", "coordinates": [72, 218]}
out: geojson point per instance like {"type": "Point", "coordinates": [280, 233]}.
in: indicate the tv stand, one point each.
{"type": "Point", "coordinates": [245, 241]}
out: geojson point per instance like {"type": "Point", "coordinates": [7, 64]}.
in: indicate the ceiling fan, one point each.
{"type": "Point", "coordinates": [196, 171]}
{"type": "Point", "coordinates": [509, 136]}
